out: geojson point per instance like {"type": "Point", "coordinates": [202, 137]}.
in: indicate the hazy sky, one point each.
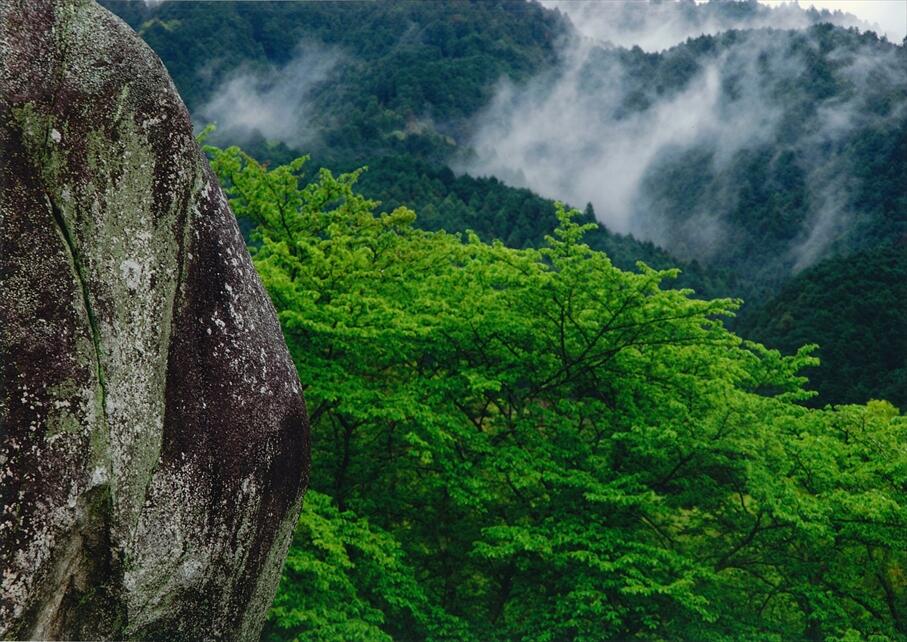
{"type": "Point", "coordinates": [890, 15]}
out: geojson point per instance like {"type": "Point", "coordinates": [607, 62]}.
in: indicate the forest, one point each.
{"type": "Point", "coordinates": [548, 406]}
{"type": "Point", "coordinates": [822, 180]}
{"type": "Point", "coordinates": [535, 444]}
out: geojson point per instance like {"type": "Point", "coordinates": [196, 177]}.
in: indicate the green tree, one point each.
{"type": "Point", "coordinates": [534, 444]}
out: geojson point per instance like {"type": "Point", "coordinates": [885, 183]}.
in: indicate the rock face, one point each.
{"type": "Point", "coordinates": [153, 437]}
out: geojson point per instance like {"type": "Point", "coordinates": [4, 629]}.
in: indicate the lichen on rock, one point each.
{"type": "Point", "coordinates": [153, 439]}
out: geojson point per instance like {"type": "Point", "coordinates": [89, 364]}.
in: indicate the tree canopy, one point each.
{"type": "Point", "coordinates": [854, 308]}
{"type": "Point", "coordinates": [534, 444]}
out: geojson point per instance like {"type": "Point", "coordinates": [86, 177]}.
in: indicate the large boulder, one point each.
{"type": "Point", "coordinates": [153, 437]}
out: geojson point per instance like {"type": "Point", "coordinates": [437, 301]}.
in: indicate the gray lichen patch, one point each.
{"type": "Point", "coordinates": [154, 445]}
{"type": "Point", "coordinates": [130, 254]}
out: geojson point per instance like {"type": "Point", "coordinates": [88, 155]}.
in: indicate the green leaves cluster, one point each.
{"type": "Point", "coordinates": [534, 444]}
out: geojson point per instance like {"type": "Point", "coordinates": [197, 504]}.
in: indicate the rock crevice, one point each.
{"type": "Point", "coordinates": [73, 253]}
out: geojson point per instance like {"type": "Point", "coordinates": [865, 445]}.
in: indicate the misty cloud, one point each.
{"type": "Point", "coordinates": [655, 26]}
{"type": "Point", "coordinates": [872, 78]}
{"type": "Point", "coordinates": [579, 136]}
{"type": "Point", "coordinates": [611, 127]}
{"type": "Point", "coordinates": [274, 102]}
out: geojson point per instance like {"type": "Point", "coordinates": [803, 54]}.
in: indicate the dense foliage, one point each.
{"type": "Point", "coordinates": [518, 217]}
{"type": "Point", "coordinates": [534, 444]}
{"type": "Point", "coordinates": [856, 310]}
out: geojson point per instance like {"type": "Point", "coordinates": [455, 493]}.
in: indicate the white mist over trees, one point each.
{"type": "Point", "coordinates": [655, 26]}
{"type": "Point", "coordinates": [270, 100]}
{"type": "Point", "coordinates": [660, 144]}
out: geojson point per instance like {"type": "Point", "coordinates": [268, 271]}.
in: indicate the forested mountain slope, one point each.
{"type": "Point", "coordinates": [429, 67]}
{"type": "Point", "coordinates": [743, 156]}
{"type": "Point", "coordinates": [399, 76]}
{"type": "Point", "coordinates": [854, 308]}
{"type": "Point", "coordinates": [761, 151]}
{"type": "Point", "coordinates": [798, 136]}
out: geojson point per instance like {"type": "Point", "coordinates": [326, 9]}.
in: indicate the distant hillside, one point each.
{"type": "Point", "coordinates": [752, 153]}
{"type": "Point", "coordinates": [403, 76]}
{"type": "Point", "coordinates": [758, 151]}
{"type": "Point", "coordinates": [855, 308]}
{"type": "Point", "coordinates": [654, 26]}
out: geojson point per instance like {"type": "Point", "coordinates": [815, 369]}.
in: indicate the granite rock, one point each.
{"type": "Point", "coordinates": [153, 438]}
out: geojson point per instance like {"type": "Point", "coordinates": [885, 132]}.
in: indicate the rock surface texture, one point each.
{"type": "Point", "coordinates": [153, 438]}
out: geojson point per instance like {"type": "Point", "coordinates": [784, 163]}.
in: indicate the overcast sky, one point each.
{"type": "Point", "coordinates": [890, 15]}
